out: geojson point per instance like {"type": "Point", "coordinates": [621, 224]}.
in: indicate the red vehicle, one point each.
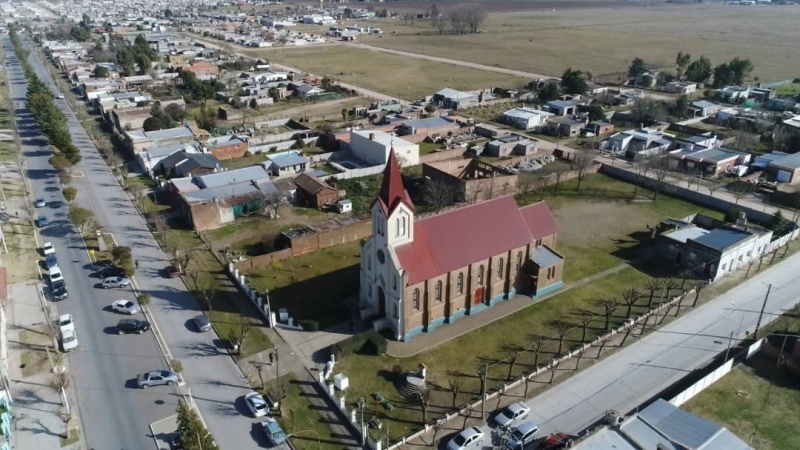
{"type": "Point", "coordinates": [172, 272]}
{"type": "Point", "coordinates": [556, 441]}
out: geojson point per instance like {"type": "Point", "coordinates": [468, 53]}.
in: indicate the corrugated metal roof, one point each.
{"type": "Point", "coordinates": [457, 238]}
{"type": "Point", "coordinates": [791, 162]}
{"type": "Point", "coordinates": [539, 219]}
{"type": "Point", "coordinates": [685, 234]}
{"type": "Point", "coordinates": [684, 428]}
{"type": "Point", "coordinates": [231, 190]}
{"type": "Point", "coordinates": [288, 160]}
{"type": "Point", "coordinates": [246, 174]}
{"type": "Point", "coordinates": [436, 121]}
{"type": "Point", "coordinates": [545, 257]}
{"type": "Point", "coordinates": [721, 239]}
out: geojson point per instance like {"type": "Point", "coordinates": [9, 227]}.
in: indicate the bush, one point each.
{"type": "Point", "coordinates": [366, 343]}
{"type": "Point", "coordinates": [309, 325]}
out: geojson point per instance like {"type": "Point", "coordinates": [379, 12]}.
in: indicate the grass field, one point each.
{"type": "Point", "coordinates": [792, 89]}
{"type": "Point", "coordinates": [393, 75]}
{"type": "Point", "coordinates": [605, 40]}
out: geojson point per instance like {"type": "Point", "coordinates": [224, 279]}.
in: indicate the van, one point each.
{"type": "Point", "coordinates": [55, 274]}
{"type": "Point", "coordinates": [522, 435]}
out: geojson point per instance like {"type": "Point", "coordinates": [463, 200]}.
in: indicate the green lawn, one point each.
{"type": "Point", "coordinates": [247, 161]}
{"type": "Point", "coordinates": [792, 89]}
{"type": "Point", "coordinates": [361, 191]}
{"type": "Point", "coordinates": [313, 286]}
{"type": "Point", "coordinates": [428, 147]}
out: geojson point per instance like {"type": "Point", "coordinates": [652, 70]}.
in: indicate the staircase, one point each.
{"type": "Point", "coordinates": [410, 384]}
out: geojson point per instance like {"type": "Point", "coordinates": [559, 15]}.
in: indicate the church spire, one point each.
{"type": "Point", "coordinates": [392, 191]}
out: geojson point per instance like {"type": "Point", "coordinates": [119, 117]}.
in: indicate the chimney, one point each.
{"type": "Point", "coordinates": [372, 136]}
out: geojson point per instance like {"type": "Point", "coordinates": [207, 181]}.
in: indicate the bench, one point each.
{"type": "Point", "coordinates": [388, 406]}
{"type": "Point", "coordinates": [379, 397]}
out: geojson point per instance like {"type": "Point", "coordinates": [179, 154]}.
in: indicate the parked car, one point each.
{"type": "Point", "coordinates": [156, 378]}
{"type": "Point", "coordinates": [522, 435]}
{"type": "Point", "coordinates": [60, 96]}
{"type": "Point", "coordinates": [465, 439]}
{"type": "Point", "coordinates": [273, 431]}
{"type": "Point", "coordinates": [256, 404]}
{"type": "Point", "coordinates": [512, 413]}
{"type": "Point", "coordinates": [109, 272]}
{"type": "Point", "coordinates": [555, 441]}
{"type": "Point", "coordinates": [42, 221]}
{"type": "Point", "coordinates": [40, 203]}
{"type": "Point", "coordinates": [201, 322]}
{"type": "Point", "coordinates": [125, 307]}
{"type": "Point", "coordinates": [55, 274]}
{"type": "Point", "coordinates": [132, 326]}
{"type": "Point", "coordinates": [171, 272]}
{"type": "Point", "coordinates": [58, 290]}
{"type": "Point", "coordinates": [48, 249]}
{"type": "Point", "coordinates": [116, 282]}
{"type": "Point", "coordinates": [50, 261]}
{"type": "Point", "coordinates": [69, 340]}
{"type": "Point", "coordinates": [65, 323]}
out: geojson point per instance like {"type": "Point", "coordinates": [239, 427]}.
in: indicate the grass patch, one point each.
{"type": "Point", "coordinates": [361, 191]}
{"type": "Point", "coordinates": [34, 355]}
{"type": "Point", "coordinates": [226, 323]}
{"type": "Point", "coordinates": [247, 161]}
{"type": "Point", "coordinates": [73, 437]}
{"type": "Point", "coordinates": [787, 90]}
{"type": "Point", "coordinates": [300, 418]}
{"type": "Point", "coordinates": [313, 286]}
{"type": "Point", "coordinates": [428, 147]}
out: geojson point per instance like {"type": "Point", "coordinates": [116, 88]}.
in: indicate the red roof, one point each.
{"type": "Point", "coordinates": [539, 220]}
{"type": "Point", "coordinates": [392, 191]}
{"type": "Point", "coordinates": [455, 239]}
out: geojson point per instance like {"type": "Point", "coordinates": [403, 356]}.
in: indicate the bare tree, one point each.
{"type": "Point", "coordinates": [512, 353]}
{"type": "Point", "coordinates": [660, 167]}
{"type": "Point", "coordinates": [697, 288]}
{"type": "Point", "coordinates": [629, 297]}
{"type": "Point", "coordinates": [542, 180]}
{"type": "Point", "coordinates": [457, 22]}
{"type": "Point", "coordinates": [160, 224]}
{"type": "Point", "coordinates": [557, 174]}
{"type": "Point", "coordinates": [740, 189]}
{"type": "Point", "coordinates": [609, 305]}
{"type": "Point", "coordinates": [642, 166]}
{"type": "Point", "coordinates": [437, 194]}
{"type": "Point", "coordinates": [583, 162]}
{"type": "Point", "coordinates": [562, 328]}
{"type": "Point", "coordinates": [553, 366]}
{"type": "Point", "coordinates": [424, 398]}
{"type": "Point", "coordinates": [536, 348]}
{"type": "Point", "coordinates": [467, 413]}
{"type": "Point", "coordinates": [439, 20]}
{"type": "Point", "coordinates": [585, 317]}
{"type": "Point", "coordinates": [483, 372]}
{"type": "Point", "coordinates": [455, 383]}
{"type": "Point", "coordinates": [474, 17]}
{"type": "Point", "coordinates": [653, 285]}
{"type": "Point", "coordinates": [669, 285]}
{"type": "Point", "coordinates": [207, 289]}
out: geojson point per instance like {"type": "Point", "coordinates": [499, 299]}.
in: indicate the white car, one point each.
{"type": "Point", "coordinates": [65, 323]}
{"type": "Point", "coordinates": [256, 404]}
{"type": "Point", "coordinates": [48, 249]}
{"type": "Point", "coordinates": [512, 413]}
{"type": "Point", "coordinates": [60, 95]}
{"type": "Point", "coordinates": [55, 274]}
{"type": "Point", "coordinates": [468, 437]}
{"type": "Point", "coordinates": [69, 341]}
{"type": "Point", "coordinates": [116, 282]}
{"type": "Point", "coordinates": [125, 307]}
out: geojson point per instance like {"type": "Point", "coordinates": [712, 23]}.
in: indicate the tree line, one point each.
{"type": "Point", "coordinates": [700, 70]}
{"type": "Point", "coordinates": [464, 20]}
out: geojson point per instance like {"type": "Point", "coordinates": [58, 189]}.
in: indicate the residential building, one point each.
{"type": "Point", "coordinates": [599, 127]}
{"type": "Point", "coordinates": [374, 147]}
{"type": "Point", "coordinates": [785, 169]}
{"type": "Point", "coordinates": [703, 108]}
{"type": "Point", "coordinates": [185, 164]}
{"type": "Point", "coordinates": [711, 161]}
{"type": "Point", "coordinates": [420, 273]}
{"type": "Point", "coordinates": [130, 119]}
{"type": "Point", "coordinates": [306, 91]}
{"type": "Point", "coordinates": [710, 249]}
{"type": "Point", "coordinates": [430, 126]}
{"type": "Point", "coordinates": [637, 144]}
{"type": "Point", "coordinates": [526, 118]}
{"type": "Point", "coordinates": [448, 98]}
{"type": "Point", "coordinates": [139, 141]}
{"type": "Point", "coordinates": [562, 107]}
{"type": "Point", "coordinates": [470, 180]}
{"type": "Point", "coordinates": [286, 164]}
{"type": "Point", "coordinates": [565, 127]}
{"type": "Point", "coordinates": [734, 94]}
{"type": "Point", "coordinates": [227, 147]}
{"type": "Point", "coordinates": [680, 87]}
{"type": "Point", "coordinates": [512, 144]}
{"type": "Point", "coordinates": [150, 158]}
{"type": "Point", "coordinates": [313, 192]}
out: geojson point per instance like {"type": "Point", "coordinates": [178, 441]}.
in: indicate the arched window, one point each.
{"type": "Point", "coordinates": [415, 300]}
{"type": "Point", "coordinates": [500, 269]}
{"type": "Point", "coordinates": [480, 275]}
{"type": "Point", "coordinates": [460, 283]}
{"type": "Point", "coordinates": [402, 226]}
{"type": "Point", "coordinates": [438, 292]}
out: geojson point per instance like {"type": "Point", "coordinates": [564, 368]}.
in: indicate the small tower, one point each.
{"type": "Point", "coordinates": [393, 211]}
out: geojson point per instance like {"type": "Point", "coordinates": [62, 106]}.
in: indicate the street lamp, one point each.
{"type": "Point", "coordinates": [361, 403]}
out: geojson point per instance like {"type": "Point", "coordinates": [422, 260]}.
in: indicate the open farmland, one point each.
{"type": "Point", "coordinates": [397, 76]}
{"type": "Point", "coordinates": [605, 40]}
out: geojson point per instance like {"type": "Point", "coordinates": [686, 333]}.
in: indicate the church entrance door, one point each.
{"type": "Point", "coordinates": [477, 297]}
{"type": "Point", "coordinates": [381, 302]}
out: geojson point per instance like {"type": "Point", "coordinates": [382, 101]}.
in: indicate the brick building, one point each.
{"type": "Point", "coordinates": [470, 180]}
{"type": "Point", "coordinates": [227, 147]}
{"type": "Point", "coordinates": [313, 192]}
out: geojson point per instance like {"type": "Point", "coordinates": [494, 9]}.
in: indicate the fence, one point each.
{"type": "Point", "coordinates": [346, 173]}
{"type": "Point", "coordinates": [442, 155]}
{"type": "Point", "coordinates": [774, 84]}
{"type": "Point", "coordinates": [278, 145]}
{"type": "Point", "coordinates": [262, 260]}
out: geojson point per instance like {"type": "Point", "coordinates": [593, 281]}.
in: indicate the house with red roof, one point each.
{"type": "Point", "coordinates": [420, 273]}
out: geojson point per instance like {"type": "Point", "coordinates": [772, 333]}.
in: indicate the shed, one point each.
{"type": "Point", "coordinates": [344, 206]}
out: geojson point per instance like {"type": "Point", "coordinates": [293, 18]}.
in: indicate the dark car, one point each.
{"type": "Point", "coordinates": [42, 221]}
{"type": "Point", "coordinates": [171, 272]}
{"type": "Point", "coordinates": [50, 261]}
{"type": "Point", "coordinates": [59, 290]}
{"type": "Point", "coordinates": [109, 272]}
{"type": "Point", "coordinates": [132, 326]}
{"type": "Point", "coordinates": [201, 322]}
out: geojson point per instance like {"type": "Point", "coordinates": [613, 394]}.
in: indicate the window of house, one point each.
{"type": "Point", "coordinates": [396, 311]}
{"type": "Point", "coordinates": [480, 275]}
{"type": "Point", "coordinates": [519, 261]}
{"type": "Point", "coordinates": [415, 300]}
{"type": "Point", "coordinates": [724, 265]}
{"type": "Point", "coordinates": [394, 282]}
{"type": "Point", "coordinates": [438, 292]}
{"type": "Point", "coordinates": [500, 269]}
{"type": "Point", "coordinates": [402, 226]}
{"type": "Point", "coordinates": [460, 283]}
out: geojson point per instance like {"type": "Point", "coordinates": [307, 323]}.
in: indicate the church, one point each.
{"type": "Point", "coordinates": [421, 273]}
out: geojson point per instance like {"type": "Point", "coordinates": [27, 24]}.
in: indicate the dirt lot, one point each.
{"type": "Point", "coordinates": [605, 40]}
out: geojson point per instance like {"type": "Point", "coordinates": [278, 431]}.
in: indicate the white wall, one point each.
{"type": "Point", "coordinates": [749, 250]}
{"type": "Point", "coordinates": [375, 153]}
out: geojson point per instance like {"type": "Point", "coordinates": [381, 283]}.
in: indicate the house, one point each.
{"type": "Point", "coordinates": [489, 131]}
{"type": "Point", "coordinates": [286, 164]}
{"type": "Point", "coordinates": [512, 144]}
{"type": "Point", "coordinates": [785, 169]}
{"type": "Point", "coordinates": [448, 98]}
{"type": "Point", "coordinates": [185, 164]}
{"type": "Point", "coordinates": [703, 108]}
{"type": "Point", "coordinates": [130, 118]}
{"type": "Point", "coordinates": [313, 192]}
{"type": "Point", "coordinates": [470, 180]}
{"type": "Point", "coordinates": [139, 141]}
{"type": "Point", "coordinates": [151, 157]}
{"type": "Point", "coordinates": [711, 161]}
{"type": "Point", "coordinates": [564, 127]}
{"type": "Point", "coordinates": [708, 248]}
{"type": "Point", "coordinates": [526, 118]}
{"type": "Point", "coordinates": [429, 126]}
{"type": "Point", "coordinates": [627, 97]}
{"type": "Point", "coordinates": [420, 273]}
{"type": "Point", "coordinates": [306, 91]}
{"type": "Point", "coordinates": [734, 94]}
{"type": "Point", "coordinates": [637, 144]}
{"type": "Point", "coordinates": [227, 147]}
{"type": "Point", "coordinates": [680, 87]}
{"type": "Point", "coordinates": [137, 81]}
{"type": "Point", "coordinates": [698, 141]}
{"type": "Point", "coordinates": [562, 107]}
{"type": "Point", "coordinates": [599, 127]}
{"type": "Point", "coordinates": [374, 147]}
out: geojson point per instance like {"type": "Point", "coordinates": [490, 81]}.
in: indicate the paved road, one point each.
{"type": "Point", "coordinates": [113, 415]}
{"type": "Point", "coordinates": [215, 381]}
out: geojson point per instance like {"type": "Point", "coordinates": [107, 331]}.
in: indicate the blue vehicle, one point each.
{"type": "Point", "coordinates": [50, 261]}
{"type": "Point", "coordinates": [273, 431]}
{"type": "Point", "coordinates": [42, 221]}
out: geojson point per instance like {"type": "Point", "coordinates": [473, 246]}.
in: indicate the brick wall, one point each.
{"type": "Point", "coordinates": [205, 216]}
{"type": "Point", "coordinates": [345, 234]}
{"type": "Point", "coordinates": [262, 260]}
{"type": "Point", "coordinates": [230, 151]}
{"type": "Point", "coordinates": [441, 155]}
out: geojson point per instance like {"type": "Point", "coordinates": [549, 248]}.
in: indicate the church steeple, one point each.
{"type": "Point", "coordinates": [392, 191]}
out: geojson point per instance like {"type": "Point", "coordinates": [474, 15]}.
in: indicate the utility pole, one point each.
{"type": "Point", "coordinates": [761, 314]}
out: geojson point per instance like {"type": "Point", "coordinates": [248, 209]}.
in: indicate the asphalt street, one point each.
{"type": "Point", "coordinates": [216, 383]}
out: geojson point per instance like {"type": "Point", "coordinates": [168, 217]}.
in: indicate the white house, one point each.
{"type": "Point", "coordinates": [373, 147]}
{"type": "Point", "coordinates": [525, 118]}
{"type": "Point", "coordinates": [286, 164]}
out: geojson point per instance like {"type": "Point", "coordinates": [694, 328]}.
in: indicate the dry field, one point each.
{"type": "Point", "coordinates": [605, 40]}
{"type": "Point", "coordinates": [397, 76]}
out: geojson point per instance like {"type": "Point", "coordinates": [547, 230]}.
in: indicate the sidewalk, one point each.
{"type": "Point", "coordinates": [37, 407]}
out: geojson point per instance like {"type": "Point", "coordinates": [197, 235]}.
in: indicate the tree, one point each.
{"type": "Point", "coordinates": [548, 92]}
{"type": "Point", "coordinates": [512, 353]}
{"type": "Point", "coordinates": [739, 70]}
{"type": "Point", "coordinates": [424, 398]}
{"type": "Point", "coordinates": [637, 68]}
{"type": "Point", "coordinates": [59, 162]}
{"type": "Point", "coordinates": [80, 217]}
{"type": "Point", "coordinates": [437, 194]}
{"type": "Point", "coordinates": [723, 75]}
{"type": "Point", "coordinates": [144, 301]}
{"type": "Point", "coordinates": [778, 224]}
{"type": "Point", "coordinates": [438, 20]}
{"type": "Point", "coordinates": [175, 112]}
{"type": "Point", "coordinates": [585, 318]}
{"type": "Point", "coordinates": [583, 162]}
{"type": "Point", "coordinates": [100, 72]}
{"type": "Point", "coordinates": [536, 348]}
{"type": "Point", "coordinates": [653, 285]}
{"type": "Point", "coordinates": [646, 111]}
{"type": "Point", "coordinates": [609, 305]}
{"type": "Point", "coordinates": [699, 70]}
{"type": "Point", "coordinates": [206, 118]}
{"type": "Point", "coordinates": [681, 106]}
{"type": "Point", "coordinates": [455, 383]}
{"type": "Point", "coordinates": [154, 123]}
{"type": "Point", "coordinates": [562, 328]}
{"type": "Point", "coordinates": [682, 60]}
{"type": "Point", "coordinates": [192, 434]}
{"type": "Point", "coordinates": [629, 297]}
{"type": "Point", "coordinates": [483, 371]}
{"type": "Point", "coordinates": [168, 13]}
{"type": "Point", "coordinates": [69, 194]}
{"type": "Point", "coordinates": [574, 81]}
